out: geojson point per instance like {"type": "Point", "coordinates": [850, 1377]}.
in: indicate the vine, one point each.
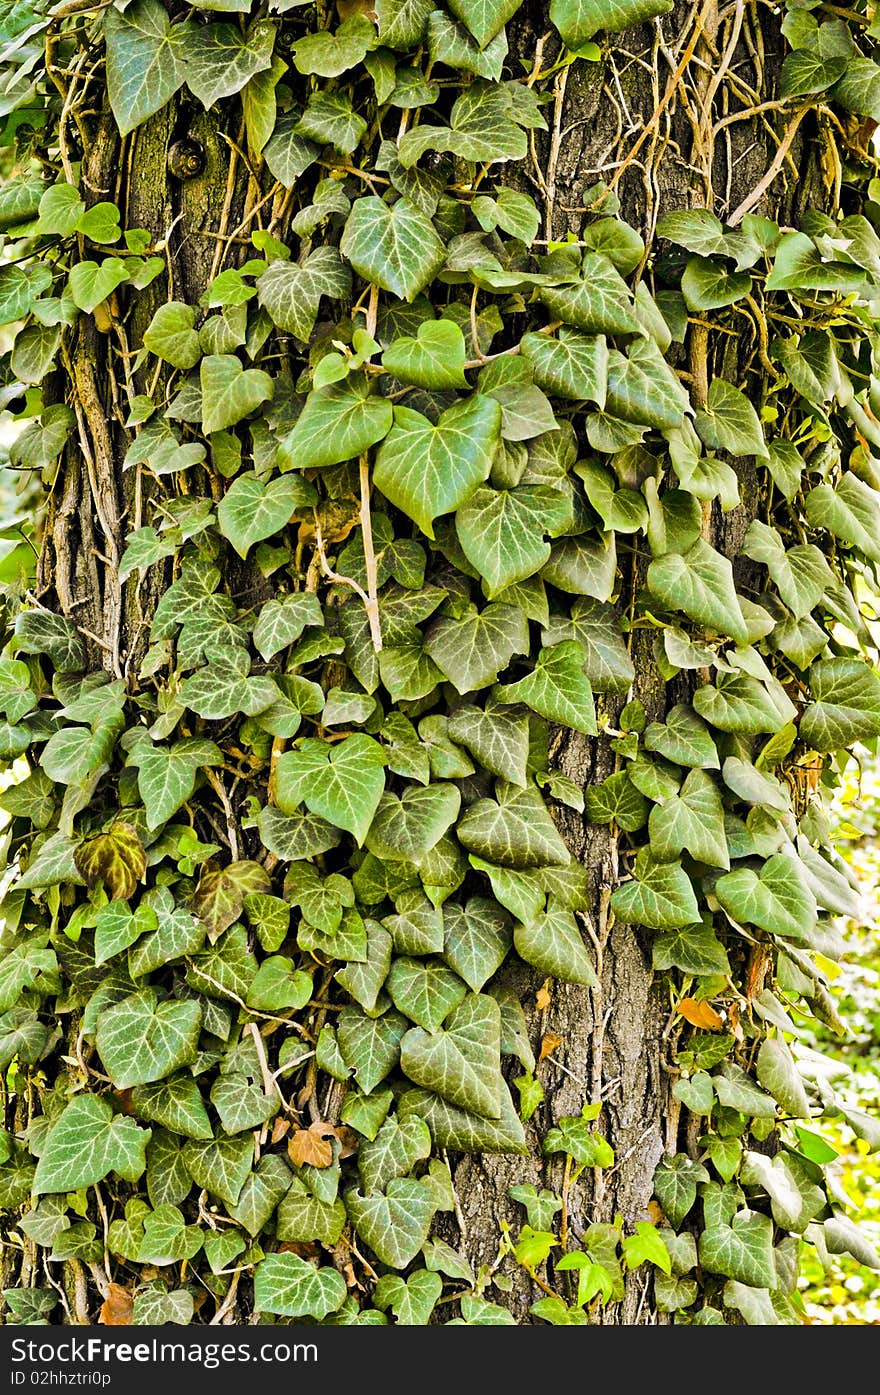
{"type": "Point", "coordinates": [407, 482]}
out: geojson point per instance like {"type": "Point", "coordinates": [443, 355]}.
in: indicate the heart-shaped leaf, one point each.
{"type": "Point", "coordinates": [502, 532]}
{"type": "Point", "coordinates": [86, 1142]}
{"type": "Point", "coordinates": [229, 392]}
{"type": "Point", "coordinates": [552, 943]}
{"type": "Point", "coordinates": [341, 783]}
{"type": "Point", "coordinates": [116, 858]}
{"type": "Point", "coordinates": [370, 1046]}
{"type": "Point", "coordinates": [337, 423]}
{"type": "Point", "coordinates": [452, 1127]}
{"type": "Point", "coordinates": [398, 1146]}
{"type": "Point", "coordinates": [498, 737]}
{"type": "Point", "coordinates": [251, 510]}
{"type": "Point", "coordinates": [427, 470]}
{"type": "Point", "coordinates": [141, 1040]}
{"type": "Point", "coordinates": [462, 1063]}
{"type": "Point", "coordinates": [776, 899]}
{"type": "Point", "coordinates": [424, 991]}
{"type": "Point", "coordinates": [660, 895]}
{"type": "Point", "coordinates": [477, 939]}
{"type": "Point", "coordinates": [395, 246]}
{"type": "Point", "coordinates": [404, 829]}
{"type": "Point", "coordinates": [287, 1286]}
{"type": "Point", "coordinates": [291, 294]}
{"type": "Point", "coordinates": [557, 688]}
{"type": "Point", "coordinates": [395, 1224]}
{"type": "Point", "coordinates": [699, 583]}
{"type": "Point", "coordinates": [434, 358]}
{"type": "Point", "coordinates": [691, 820]}
{"type": "Point", "coordinates": [514, 829]}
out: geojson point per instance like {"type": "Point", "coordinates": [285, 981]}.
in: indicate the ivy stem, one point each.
{"type": "Point", "coordinates": [371, 600]}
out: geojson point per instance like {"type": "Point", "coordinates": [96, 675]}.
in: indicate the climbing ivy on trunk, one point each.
{"type": "Point", "coordinates": [351, 523]}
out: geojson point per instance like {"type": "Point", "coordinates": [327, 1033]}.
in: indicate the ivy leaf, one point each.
{"type": "Point", "coordinates": [578, 20]}
{"type": "Point", "coordinates": [552, 943]}
{"type": "Point", "coordinates": [513, 830]}
{"type": "Point", "coordinates": [337, 423]}
{"type": "Point", "coordinates": [424, 992]}
{"type": "Point", "coordinates": [331, 55]}
{"type": "Point", "coordinates": [171, 336]}
{"type": "Point", "coordinates": [412, 1300]}
{"type": "Point", "coordinates": [282, 620]}
{"type": "Point", "coordinates": [287, 1286]}
{"type": "Point", "coordinates": [396, 247]}
{"type": "Point", "coordinates": [846, 708]}
{"type": "Point", "coordinates": [92, 282]}
{"type": "Point", "coordinates": [220, 1165]}
{"type": "Point", "coordinates": [141, 1040]}
{"type": "Point", "coordinates": [730, 422]}
{"type": "Point", "coordinates": [434, 358]}
{"type": "Point", "coordinates": [452, 1127]}
{"type": "Point", "coordinates": [805, 73]}
{"type": "Point", "coordinates": [599, 303]}
{"type": "Point", "coordinates": [696, 229]}
{"type": "Point", "coordinates": [87, 1142]}
{"type": "Point", "coordinates": [708, 285]}
{"type": "Point", "coordinates": [399, 1145]}
{"type": "Point", "coordinates": [484, 18]}
{"type": "Point", "coordinates": [502, 531]}
{"type": "Point", "coordinates": [223, 688]}
{"type": "Point", "coordinates": [557, 688]}
{"type": "Point", "coordinates": [146, 60]}
{"type": "Point", "coordinates": [497, 737]}
{"type": "Point", "coordinates": [304, 1217]}
{"type": "Point", "coordinates": [291, 294]}
{"type": "Point", "coordinates": [738, 703]}
{"type": "Point", "coordinates": [675, 1184]}
{"type": "Point", "coordinates": [595, 626]}
{"type": "Point", "coordinates": [695, 949]}
{"type": "Point", "coordinates": [176, 1104]}
{"type": "Point", "coordinates": [692, 820]}
{"type": "Point", "coordinates": [643, 388]}
{"type": "Point", "coordinates": [742, 1250]}
{"type": "Point", "coordinates": [241, 1105]}
{"type": "Point", "coordinates": [406, 828]}
{"type": "Point", "coordinates": [116, 858]}
{"type": "Point", "coordinates": [776, 899]}
{"type": "Point", "coordinates": [660, 895]}
{"type": "Point", "coordinates": [569, 365]}
{"type": "Point", "coordinates": [477, 938]}
{"type": "Point", "coordinates": [461, 1062]}
{"type": "Point", "coordinates": [395, 1224]}
{"type": "Point", "coordinates": [700, 584]}
{"type": "Point", "coordinates": [251, 510]}
{"type": "Point", "coordinates": [427, 470]}
{"type": "Point", "coordinates": [482, 129]}
{"type": "Point", "coordinates": [167, 774]}
{"type": "Point", "coordinates": [297, 836]}
{"type": "Point", "coordinates": [341, 783]}
{"type": "Point", "coordinates": [230, 392]}
{"type": "Point", "coordinates": [370, 1046]}
{"type": "Point", "coordinates": [471, 648]}
{"type": "Point", "coordinates": [330, 119]}
{"type": "Point", "coordinates": [220, 59]}
{"type": "Point", "coordinates": [219, 897]}
{"type": "Point", "coordinates": [778, 1073]}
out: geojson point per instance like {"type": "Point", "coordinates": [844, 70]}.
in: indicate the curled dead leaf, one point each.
{"type": "Point", "coordinates": [700, 1015]}
{"type": "Point", "coordinates": [543, 997]}
{"type": "Point", "coordinates": [312, 1145]}
{"type": "Point", "coordinates": [549, 1043]}
{"type": "Point", "coordinates": [116, 1310]}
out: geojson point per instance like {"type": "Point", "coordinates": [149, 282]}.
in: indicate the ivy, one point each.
{"type": "Point", "coordinates": [410, 498]}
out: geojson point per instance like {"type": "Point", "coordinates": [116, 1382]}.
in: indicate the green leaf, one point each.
{"type": "Point", "coordinates": [484, 18]}
{"type": "Point", "coordinates": [170, 335]}
{"type": "Point", "coordinates": [846, 708]}
{"type": "Point", "coordinates": [337, 423]}
{"type": "Point", "coordinates": [742, 1250]}
{"type": "Point", "coordinates": [146, 60]}
{"type": "Point", "coordinates": [709, 285]}
{"type": "Point", "coordinates": [482, 128]}
{"type": "Point", "coordinates": [660, 895]}
{"type": "Point", "coordinates": [330, 55]}
{"type": "Point", "coordinates": [141, 1039]}
{"type": "Point", "coordinates": [434, 358]}
{"type": "Point", "coordinates": [291, 294]}
{"type": "Point", "coordinates": [395, 1224]}
{"type": "Point", "coordinates": [646, 1247]}
{"type": "Point", "coordinates": [176, 1104]}
{"type": "Point", "coordinates": [220, 1165]}
{"type": "Point", "coordinates": [167, 774]}
{"type": "Point", "coordinates": [569, 365]}
{"type": "Point", "coordinates": [428, 470]}
{"type": "Point", "coordinates": [594, 624]}
{"type": "Point", "coordinates": [461, 1062]}
{"type": "Point", "coordinates": [498, 738]}
{"type": "Point", "coordinates": [251, 510]}
{"type": "Point", "coordinates": [370, 1046]}
{"type": "Point", "coordinates": [219, 897]}
{"type": "Point", "coordinates": [396, 247]}
{"type": "Point", "coordinates": [230, 392]}
{"type": "Point", "coordinates": [557, 688]}
{"type": "Point", "coordinates": [801, 574]}
{"type": "Point", "coordinates": [778, 1073]}
{"type": "Point", "coordinates": [694, 949]}
{"type": "Point", "coordinates": [692, 820]}
{"type": "Point", "coordinates": [287, 1286]}
{"type": "Point", "coordinates": [423, 991]}
{"type": "Point", "coordinates": [156, 1307]}
{"type": "Point", "coordinates": [330, 119]}
{"type": "Point", "coordinates": [858, 89]}
{"type": "Point", "coordinates": [278, 985]}
{"type": "Point", "coordinates": [87, 1142]}
{"type": "Point", "coordinates": [730, 422]}
{"type": "Point", "coordinates": [696, 229]}
{"type": "Point", "coordinates": [223, 688]}
{"type": "Point", "coordinates": [799, 266]}
{"type": "Point", "coordinates": [502, 531]}
{"type": "Point", "coordinates": [282, 620]}
{"type": "Point", "coordinates": [406, 828]}
{"type": "Point", "coordinates": [241, 1105]}
{"type": "Point", "coordinates": [305, 1217]}
{"type": "Point", "coordinates": [477, 939]}
{"type": "Point", "coordinates": [471, 647]}
{"type": "Point", "coordinates": [850, 511]}
{"type": "Point", "coordinates": [297, 836]}
{"type": "Point", "coordinates": [90, 282]}
{"type": "Point", "coordinates": [578, 20]}
{"type": "Point", "coordinates": [643, 388]}
{"type": "Point", "coordinates": [399, 1145]}
{"type": "Point", "coordinates": [514, 829]}
{"type": "Point", "coordinates": [412, 1300]}
{"type": "Point", "coordinates": [805, 73]}
{"type": "Point", "coordinates": [552, 943]}
{"type": "Point", "coordinates": [675, 1185]}
{"type": "Point", "coordinates": [738, 703]}
{"type": "Point", "coordinates": [220, 59]}
{"type": "Point", "coordinates": [699, 583]}
{"type": "Point", "coordinates": [115, 858]}
{"type": "Point", "coordinates": [599, 303]}
{"type": "Point", "coordinates": [176, 934]}
{"type": "Point", "coordinates": [776, 899]}
{"type": "Point", "coordinates": [341, 783]}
